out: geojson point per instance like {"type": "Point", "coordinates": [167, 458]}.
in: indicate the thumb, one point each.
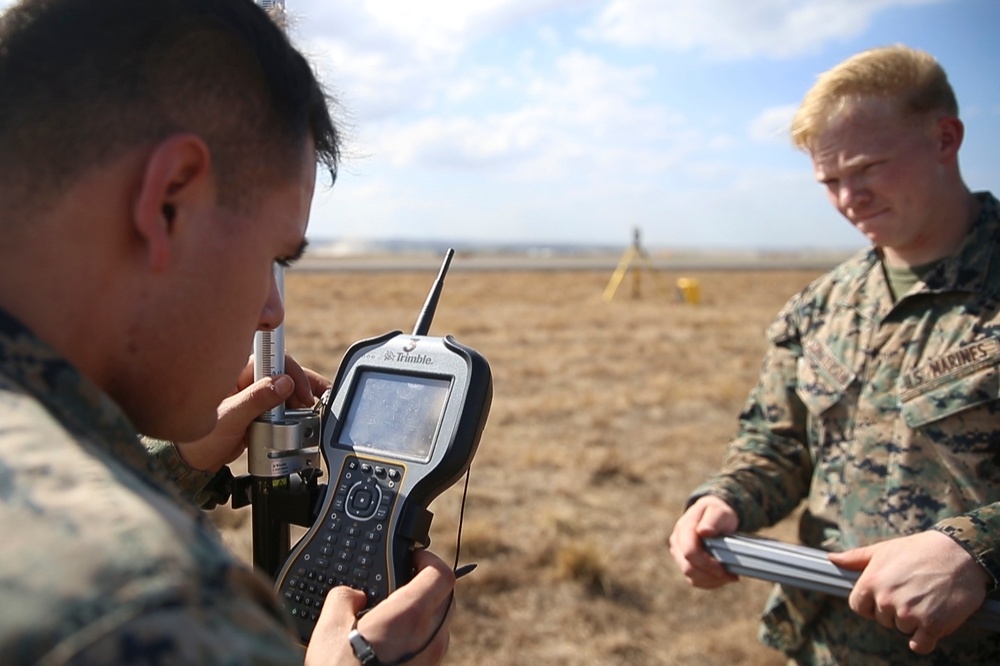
{"type": "Point", "coordinates": [329, 638]}
{"type": "Point", "coordinates": [855, 559]}
{"type": "Point", "coordinates": [264, 394]}
{"type": "Point", "coordinates": [717, 520]}
{"type": "Point", "coordinates": [345, 602]}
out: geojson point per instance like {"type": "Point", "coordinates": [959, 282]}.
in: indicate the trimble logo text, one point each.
{"type": "Point", "coordinates": [418, 359]}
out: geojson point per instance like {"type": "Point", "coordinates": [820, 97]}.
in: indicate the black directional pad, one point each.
{"type": "Point", "coordinates": [363, 499]}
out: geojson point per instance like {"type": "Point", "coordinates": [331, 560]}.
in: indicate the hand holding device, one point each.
{"type": "Point", "coordinates": [806, 568]}
{"type": "Point", "coordinates": [401, 425]}
{"type": "Point", "coordinates": [411, 627]}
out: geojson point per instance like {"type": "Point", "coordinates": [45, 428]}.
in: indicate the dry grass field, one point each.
{"type": "Point", "coordinates": [604, 417]}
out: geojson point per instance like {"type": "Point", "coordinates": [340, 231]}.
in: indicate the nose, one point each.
{"type": "Point", "coordinates": [853, 194]}
{"type": "Point", "coordinates": [274, 309]}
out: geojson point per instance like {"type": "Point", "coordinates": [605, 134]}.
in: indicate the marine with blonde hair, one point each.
{"type": "Point", "coordinates": [878, 403]}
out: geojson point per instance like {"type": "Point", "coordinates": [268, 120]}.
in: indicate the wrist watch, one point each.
{"type": "Point", "coordinates": [363, 650]}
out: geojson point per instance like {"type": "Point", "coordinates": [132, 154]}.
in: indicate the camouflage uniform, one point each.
{"type": "Point", "coordinates": [103, 560]}
{"type": "Point", "coordinates": [883, 417]}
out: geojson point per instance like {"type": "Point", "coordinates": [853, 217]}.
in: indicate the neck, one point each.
{"type": "Point", "coordinates": [955, 215]}
{"type": "Point", "coordinates": [59, 276]}
{"type": "Point", "coordinates": [65, 317]}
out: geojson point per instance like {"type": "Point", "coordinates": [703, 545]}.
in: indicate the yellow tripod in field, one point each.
{"type": "Point", "coordinates": [633, 254]}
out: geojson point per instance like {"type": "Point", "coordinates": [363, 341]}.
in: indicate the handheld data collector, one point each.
{"type": "Point", "coordinates": [401, 425]}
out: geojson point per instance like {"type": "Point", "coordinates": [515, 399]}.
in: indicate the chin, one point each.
{"type": "Point", "coordinates": [183, 434]}
{"type": "Point", "coordinates": [202, 429]}
{"type": "Point", "coordinates": [182, 427]}
{"type": "Point", "coordinates": [172, 415]}
{"type": "Point", "coordinates": [875, 235]}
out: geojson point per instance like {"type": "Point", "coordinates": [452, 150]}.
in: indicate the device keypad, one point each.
{"type": "Point", "coordinates": [350, 547]}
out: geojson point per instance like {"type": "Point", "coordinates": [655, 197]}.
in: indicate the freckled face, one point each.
{"type": "Point", "coordinates": [880, 173]}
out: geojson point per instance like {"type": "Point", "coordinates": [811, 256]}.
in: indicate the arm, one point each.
{"type": "Point", "coordinates": [768, 466]}
{"type": "Point", "coordinates": [928, 584]}
{"type": "Point", "coordinates": [227, 631]}
{"type": "Point", "coordinates": [924, 585]}
{"type": "Point", "coordinates": [237, 621]}
{"type": "Point", "coordinates": [193, 465]}
{"type": "Point", "coordinates": [298, 388]}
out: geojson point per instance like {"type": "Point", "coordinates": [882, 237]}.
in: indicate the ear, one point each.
{"type": "Point", "coordinates": [176, 185]}
{"type": "Point", "coordinates": [949, 134]}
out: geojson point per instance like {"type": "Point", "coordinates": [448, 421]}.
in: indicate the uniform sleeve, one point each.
{"type": "Point", "coordinates": [767, 468]}
{"type": "Point", "coordinates": [194, 484]}
{"type": "Point", "coordinates": [227, 633]}
{"type": "Point", "coordinates": [977, 532]}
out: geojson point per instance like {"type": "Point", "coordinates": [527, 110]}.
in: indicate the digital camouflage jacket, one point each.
{"type": "Point", "coordinates": [103, 560]}
{"type": "Point", "coordinates": [883, 418]}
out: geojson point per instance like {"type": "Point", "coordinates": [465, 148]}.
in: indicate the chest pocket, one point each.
{"type": "Point", "coordinates": [822, 379]}
{"type": "Point", "coordinates": [951, 383]}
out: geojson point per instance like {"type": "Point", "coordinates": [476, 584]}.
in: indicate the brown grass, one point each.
{"type": "Point", "coordinates": [605, 415]}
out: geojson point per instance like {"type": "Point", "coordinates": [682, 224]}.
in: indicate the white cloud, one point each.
{"type": "Point", "coordinates": [583, 117]}
{"type": "Point", "coordinates": [738, 28]}
{"type": "Point", "coordinates": [550, 136]}
{"type": "Point", "coordinates": [374, 84]}
{"type": "Point", "coordinates": [460, 142]}
{"type": "Point", "coordinates": [424, 30]}
{"type": "Point", "coordinates": [773, 124]}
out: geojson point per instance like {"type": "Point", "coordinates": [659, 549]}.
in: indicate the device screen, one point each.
{"type": "Point", "coordinates": [395, 414]}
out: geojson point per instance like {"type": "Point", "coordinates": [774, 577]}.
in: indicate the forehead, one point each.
{"type": "Point", "coordinates": [298, 174]}
{"type": "Point", "coordinates": [281, 201]}
{"type": "Point", "coordinates": [862, 130]}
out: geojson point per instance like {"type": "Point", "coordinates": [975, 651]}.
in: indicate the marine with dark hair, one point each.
{"type": "Point", "coordinates": [878, 404]}
{"type": "Point", "coordinates": [157, 157]}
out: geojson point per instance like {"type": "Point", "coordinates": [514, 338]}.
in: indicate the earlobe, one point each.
{"type": "Point", "coordinates": [175, 185]}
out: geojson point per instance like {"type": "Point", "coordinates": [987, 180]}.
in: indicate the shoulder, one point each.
{"type": "Point", "coordinates": [96, 546]}
{"type": "Point", "coordinates": [814, 302]}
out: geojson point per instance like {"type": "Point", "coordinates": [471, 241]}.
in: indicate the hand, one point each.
{"type": "Point", "coordinates": [400, 625]}
{"type": "Point", "coordinates": [925, 585]}
{"type": "Point", "coordinates": [297, 388]}
{"type": "Point", "coordinates": [709, 516]}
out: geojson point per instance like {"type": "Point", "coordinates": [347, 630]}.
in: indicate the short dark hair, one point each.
{"type": "Point", "coordinates": [82, 81]}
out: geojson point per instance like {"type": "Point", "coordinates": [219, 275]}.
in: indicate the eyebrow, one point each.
{"type": "Point", "coordinates": [860, 160]}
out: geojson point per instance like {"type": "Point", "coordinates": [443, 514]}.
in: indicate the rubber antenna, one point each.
{"type": "Point", "coordinates": [430, 305]}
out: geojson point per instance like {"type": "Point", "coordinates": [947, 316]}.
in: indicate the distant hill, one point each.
{"type": "Point", "coordinates": [355, 247]}
{"type": "Point", "coordinates": [402, 255]}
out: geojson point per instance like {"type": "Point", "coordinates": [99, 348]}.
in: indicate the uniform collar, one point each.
{"type": "Point", "coordinates": [969, 268]}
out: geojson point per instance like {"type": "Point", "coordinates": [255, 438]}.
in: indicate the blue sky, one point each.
{"type": "Point", "coordinates": [552, 121]}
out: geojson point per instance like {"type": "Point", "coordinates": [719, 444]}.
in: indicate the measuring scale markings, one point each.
{"type": "Point", "coordinates": [269, 350]}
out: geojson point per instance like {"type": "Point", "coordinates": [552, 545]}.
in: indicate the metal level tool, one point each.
{"type": "Point", "coordinates": [806, 568]}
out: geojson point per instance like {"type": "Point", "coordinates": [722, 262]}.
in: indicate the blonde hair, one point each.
{"type": "Point", "coordinates": [912, 80]}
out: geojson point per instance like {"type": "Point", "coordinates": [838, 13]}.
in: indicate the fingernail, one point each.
{"type": "Point", "coordinates": [283, 385]}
